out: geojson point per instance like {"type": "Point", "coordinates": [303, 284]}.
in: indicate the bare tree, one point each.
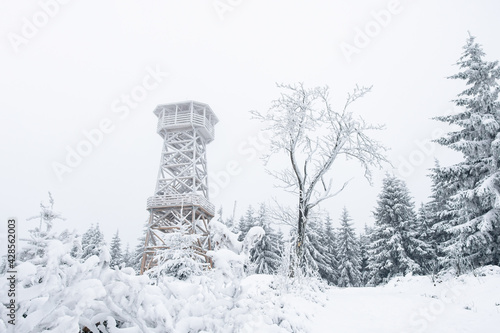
{"type": "Point", "coordinates": [312, 135]}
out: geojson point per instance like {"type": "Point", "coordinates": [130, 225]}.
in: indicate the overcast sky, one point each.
{"type": "Point", "coordinates": [69, 69]}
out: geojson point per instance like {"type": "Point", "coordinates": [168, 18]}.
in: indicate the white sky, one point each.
{"type": "Point", "coordinates": [65, 78]}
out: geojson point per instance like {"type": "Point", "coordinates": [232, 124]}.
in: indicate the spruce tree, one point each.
{"type": "Point", "coordinates": [92, 242]}
{"type": "Point", "coordinates": [179, 259]}
{"type": "Point", "coordinates": [116, 251]}
{"type": "Point", "coordinates": [138, 253]}
{"type": "Point", "coordinates": [127, 257]}
{"type": "Point", "coordinates": [330, 243]}
{"type": "Point", "coordinates": [246, 222]}
{"type": "Point", "coordinates": [280, 236]}
{"type": "Point", "coordinates": [348, 253]}
{"type": "Point", "coordinates": [428, 234]}
{"type": "Point", "coordinates": [472, 186]}
{"type": "Point", "coordinates": [437, 211]}
{"type": "Point", "coordinates": [219, 215]}
{"type": "Point", "coordinates": [395, 248]}
{"type": "Point", "coordinates": [51, 272]}
{"type": "Point", "coordinates": [41, 235]}
{"type": "Point", "coordinates": [315, 251]}
{"type": "Point", "coordinates": [364, 243]}
{"type": "Point", "coordinates": [265, 254]}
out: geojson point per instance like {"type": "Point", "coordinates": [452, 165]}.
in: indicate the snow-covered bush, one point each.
{"type": "Point", "coordinates": [179, 260]}
{"type": "Point", "coordinates": [231, 256]}
{"type": "Point", "coordinates": [66, 295]}
{"type": "Point", "coordinates": [62, 293]}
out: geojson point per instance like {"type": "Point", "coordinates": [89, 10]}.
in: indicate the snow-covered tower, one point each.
{"type": "Point", "coordinates": [181, 196]}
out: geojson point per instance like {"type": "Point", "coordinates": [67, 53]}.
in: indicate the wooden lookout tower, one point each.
{"type": "Point", "coordinates": [181, 200]}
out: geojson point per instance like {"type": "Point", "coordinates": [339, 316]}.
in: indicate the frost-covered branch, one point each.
{"type": "Point", "coordinates": [312, 135]}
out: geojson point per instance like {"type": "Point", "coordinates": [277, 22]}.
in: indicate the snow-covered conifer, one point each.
{"type": "Point", "coordinates": [395, 248]}
{"type": "Point", "coordinates": [127, 257]}
{"type": "Point", "coordinates": [246, 223]}
{"type": "Point", "coordinates": [138, 253]}
{"type": "Point", "coordinates": [427, 233]}
{"type": "Point", "coordinates": [316, 257]}
{"type": "Point", "coordinates": [116, 250]}
{"type": "Point", "coordinates": [92, 242]}
{"type": "Point", "coordinates": [348, 253]}
{"type": "Point", "coordinates": [37, 243]}
{"type": "Point", "coordinates": [180, 259]}
{"type": "Point", "coordinates": [437, 210]}
{"type": "Point", "coordinates": [472, 185]}
{"type": "Point", "coordinates": [330, 243]}
{"type": "Point", "coordinates": [265, 255]}
{"type": "Point", "coordinates": [364, 243]}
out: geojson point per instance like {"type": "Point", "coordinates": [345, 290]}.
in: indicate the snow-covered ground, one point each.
{"type": "Point", "coordinates": [412, 304]}
{"type": "Point", "coordinates": [415, 304]}
{"type": "Point", "coordinates": [58, 293]}
{"type": "Point", "coordinates": [264, 303]}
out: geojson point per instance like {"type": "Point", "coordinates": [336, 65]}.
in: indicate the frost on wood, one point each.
{"type": "Point", "coordinates": [180, 202]}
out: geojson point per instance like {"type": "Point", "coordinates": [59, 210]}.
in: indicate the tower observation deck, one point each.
{"type": "Point", "coordinates": [181, 199]}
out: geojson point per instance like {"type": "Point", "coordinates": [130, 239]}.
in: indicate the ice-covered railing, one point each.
{"type": "Point", "coordinates": [180, 200]}
{"type": "Point", "coordinates": [179, 121]}
{"type": "Point", "coordinates": [185, 115]}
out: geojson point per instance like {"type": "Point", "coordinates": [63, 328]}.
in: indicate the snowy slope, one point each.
{"type": "Point", "coordinates": [414, 304]}
{"type": "Point", "coordinates": [64, 294]}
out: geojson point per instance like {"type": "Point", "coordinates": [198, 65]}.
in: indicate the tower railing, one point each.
{"type": "Point", "coordinates": [185, 120]}
{"type": "Point", "coordinates": [181, 200]}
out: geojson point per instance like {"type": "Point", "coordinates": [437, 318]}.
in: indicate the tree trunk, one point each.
{"type": "Point", "coordinates": [301, 233]}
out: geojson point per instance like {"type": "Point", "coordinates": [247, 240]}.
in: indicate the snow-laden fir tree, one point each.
{"type": "Point", "coordinates": [246, 223]}
{"type": "Point", "coordinates": [428, 234]}
{"type": "Point", "coordinates": [364, 243]}
{"type": "Point", "coordinates": [474, 183]}
{"type": "Point", "coordinates": [395, 248]}
{"type": "Point", "coordinates": [437, 213]}
{"type": "Point", "coordinates": [37, 243]}
{"type": "Point", "coordinates": [116, 251]}
{"type": "Point", "coordinates": [92, 242]}
{"type": "Point", "coordinates": [138, 253]}
{"type": "Point", "coordinates": [281, 242]}
{"type": "Point", "coordinates": [47, 215]}
{"type": "Point", "coordinates": [127, 257]}
{"type": "Point", "coordinates": [221, 219]}
{"type": "Point", "coordinates": [219, 215]}
{"type": "Point", "coordinates": [265, 255]}
{"type": "Point", "coordinates": [330, 243]}
{"type": "Point", "coordinates": [348, 253]}
{"type": "Point", "coordinates": [178, 260]}
{"type": "Point", "coordinates": [316, 259]}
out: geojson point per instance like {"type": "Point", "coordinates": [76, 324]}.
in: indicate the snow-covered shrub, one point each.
{"type": "Point", "coordinates": [179, 260]}
{"type": "Point", "coordinates": [231, 257]}
{"type": "Point", "coordinates": [61, 293]}
{"type": "Point", "coordinates": [66, 295]}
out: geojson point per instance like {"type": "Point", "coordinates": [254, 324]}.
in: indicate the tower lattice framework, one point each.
{"type": "Point", "coordinates": [181, 202]}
